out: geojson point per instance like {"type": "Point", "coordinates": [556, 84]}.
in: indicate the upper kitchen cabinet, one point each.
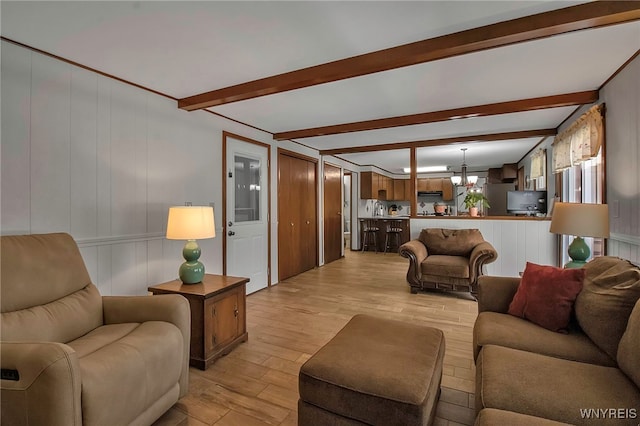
{"type": "Point", "coordinates": [506, 174]}
{"type": "Point", "coordinates": [447, 189]}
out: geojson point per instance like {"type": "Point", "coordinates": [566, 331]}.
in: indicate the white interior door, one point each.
{"type": "Point", "coordinates": [247, 213]}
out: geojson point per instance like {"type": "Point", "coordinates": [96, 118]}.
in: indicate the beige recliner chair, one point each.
{"type": "Point", "coordinates": [70, 356]}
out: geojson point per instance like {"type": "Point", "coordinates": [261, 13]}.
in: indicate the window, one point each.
{"type": "Point", "coordinates": [583, 183]}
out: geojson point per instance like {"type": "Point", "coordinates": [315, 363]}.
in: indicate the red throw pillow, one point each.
{"type": "Point", "coordinates": [546, 295]}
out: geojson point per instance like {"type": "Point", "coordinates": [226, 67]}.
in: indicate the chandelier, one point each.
{"type": "Point", "coordinates": [463, 179]}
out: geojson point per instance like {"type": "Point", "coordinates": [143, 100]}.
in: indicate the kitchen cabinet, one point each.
{"type": "Point", "coordinates": [430, 184]}
{"type": "Point", "coordinates": [400, 191]}
{"type": "Point", "coordinates": [447, 190]}
{"type": "Point", "coordinates": [374, 186]}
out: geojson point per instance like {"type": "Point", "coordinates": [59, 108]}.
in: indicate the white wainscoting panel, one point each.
{"type": "Point", "coordinates": [516, 241]}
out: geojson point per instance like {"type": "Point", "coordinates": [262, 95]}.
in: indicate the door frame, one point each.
{"type": "Point", "coordinates": [226, 135]}
{"type": "Point", "coordinates": [350, 189]}
{"type": "Point", "coordinates": [315, 161]}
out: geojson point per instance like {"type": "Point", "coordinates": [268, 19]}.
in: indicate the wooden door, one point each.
{"type": "Point", "coordinates": [297, 216]}
{"type": "Point", "coordinates": [309, 219]}
{"type": "Point", "coordinates": [332, 213]}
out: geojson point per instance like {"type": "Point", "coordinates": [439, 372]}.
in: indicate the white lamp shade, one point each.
{"type": "Point", "coordinates": [581, 220]}
{"type": "Point", "coordinates": [190, 223]}
{"type": "Point", "coordinates": [472, 180]}
{"type": "Point", "coordinates": [456, 180]}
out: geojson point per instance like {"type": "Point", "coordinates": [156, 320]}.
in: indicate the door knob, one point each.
{"type": "Point", "coordinates": [230, 223]}
{"type": "Point", "coordinates": [231, 233]}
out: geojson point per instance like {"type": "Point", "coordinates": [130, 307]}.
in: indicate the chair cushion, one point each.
{"type": "Point", "coordinates": [455, 242]}
{"type": "Point", "coordinates": [449, 266]}
{"type": "Point", "coordinates": [552, 388]}
{"type": "Point", "coordinates": [493, 328]}
{"type": "Point", "coordinates": [61, 321]}
{"type": "Point", "coordinates": [35, 261]}
{"type": "Point", "coordinates": [546, 295]}
{"type": "Point", "coordinates": [611, 289]}
{"type": "Point", "coordinates": [377, 371]}
{"type": "Point", "coordinates": [154, 357]}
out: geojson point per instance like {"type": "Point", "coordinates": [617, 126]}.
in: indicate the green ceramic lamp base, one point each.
{"type": "Point", "coordinates": [578, 252]}
{"type": "Point", "coordinates": [191, 271]}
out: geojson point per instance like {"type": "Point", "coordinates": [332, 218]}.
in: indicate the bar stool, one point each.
{"type": "Point", "coordinates": [369, 234]}
{"type": "Point", "coordinates": [394, 231]}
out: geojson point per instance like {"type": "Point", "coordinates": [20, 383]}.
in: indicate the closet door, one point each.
{"type": "Point", "coordinates": [309, 204]}
{"type": "Point", "coordinates": [297, 216]}
{"type": "Point", "coordinates": [285, 235]}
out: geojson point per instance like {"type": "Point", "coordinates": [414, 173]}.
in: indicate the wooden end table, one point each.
{"type": "Point", "coordinates": [218, 315]}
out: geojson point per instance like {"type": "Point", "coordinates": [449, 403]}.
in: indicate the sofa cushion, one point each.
{"type": "Point", "coordinates": [492, 328]}
{"type": "Point", "coordinates": [552, 388]}
{"type": "Point", "coordinates": [450, 266]}
{"type": "Point", "coordinates": [455, 242]}
{"type": "Point", "coordinates": [546, 295]}
{"type": "Point", "coordinates": [629, 349]}
{"type": "Point", "coordinates": [493, 417]}
{"type": "Point", "coordinates": [611, 289]}
{"type": "Point", "coordinates": [148, 348]}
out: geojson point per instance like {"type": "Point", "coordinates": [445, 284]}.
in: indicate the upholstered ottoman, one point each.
{"type": "Point", "coordinates": [374, 371]}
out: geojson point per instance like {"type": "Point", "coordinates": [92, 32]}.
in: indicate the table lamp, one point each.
{"type": "Point", "coordinates": [191, 223]}
{"type": "Point", "coordinates": [580, 220]}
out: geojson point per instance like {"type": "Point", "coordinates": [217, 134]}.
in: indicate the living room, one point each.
{"type": "Point", "coordinates": [103, 159]}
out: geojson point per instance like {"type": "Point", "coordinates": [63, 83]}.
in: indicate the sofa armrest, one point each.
{"type": "Point", "coordinates": [46, 386]}
{"type": "Point", "coordinates": [481, 254]}
{"type": "Point", "coordinates": [172, 308]}
{"type": "Point", "coordinates": [416, 252]}
{"type": "Point", "coordinates": [496, 293]}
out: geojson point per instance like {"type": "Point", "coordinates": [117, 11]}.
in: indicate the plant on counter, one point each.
{"type": "Point", "coordinates": [473, 198]}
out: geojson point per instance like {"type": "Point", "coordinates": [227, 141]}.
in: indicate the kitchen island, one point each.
{"type": "Point", "coordinates": [382, 223]}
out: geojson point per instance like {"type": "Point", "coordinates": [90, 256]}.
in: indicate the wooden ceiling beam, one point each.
{"type": "Point", "coordinates": [556, 101]}
{"type": "Point", "coordinates": [560, 21]}
{"type": "Point", "coordinates": [444, 141]}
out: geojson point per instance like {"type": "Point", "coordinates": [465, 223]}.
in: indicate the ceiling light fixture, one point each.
{"type": "Point", "coordinates": [427, 169]}
{"type": "Point", "coordinates": [463, 179]}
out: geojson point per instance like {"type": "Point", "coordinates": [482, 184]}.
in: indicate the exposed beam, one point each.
{"type": "Point", "coordinates": [560, 21]}
{"type": "Point", "coordinates": [556, 101]}
{"type": "Point", "coordinates": [444, 141]}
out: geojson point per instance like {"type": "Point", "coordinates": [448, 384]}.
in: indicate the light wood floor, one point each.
{"type": "Point", "coordinates": [257, 384]}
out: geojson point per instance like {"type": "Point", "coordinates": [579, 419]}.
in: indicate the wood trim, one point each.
{"type": "Point", "coordinates": [294, 154]}
{"type": "Point", "coordinates": [533, 27]}
{"type": "Point", "coordinates": [444, 141]}
{"type": "Point", "coordinates": [226, 135]}
{"type": "Point", "coordinates": [522, 105]}
{"type": "Point", "coordinates": [413, 184]}
{"type": "Point", "coordinates": [623, 66]}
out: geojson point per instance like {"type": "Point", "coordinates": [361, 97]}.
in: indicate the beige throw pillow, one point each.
{"type": "Point", "coordinates": [610, 290]}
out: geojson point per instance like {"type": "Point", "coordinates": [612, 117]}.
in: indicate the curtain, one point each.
{"type": "Point", "coordinates": [580, 141]}
{"type": "Point", "coordinates": [537, 164]}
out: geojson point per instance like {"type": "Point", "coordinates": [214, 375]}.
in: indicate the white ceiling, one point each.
{"type": "Point", "coordinates": [184, 48]}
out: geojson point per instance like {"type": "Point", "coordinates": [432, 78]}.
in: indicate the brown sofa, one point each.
{"type": "Point", "coordinates": [72, 357]}
{"type": "Point", "coordinates": [526, 374]}
{"type": "Point", "coordinates": [447, 259]}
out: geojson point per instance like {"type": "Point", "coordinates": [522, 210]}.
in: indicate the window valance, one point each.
{"type": "Point", "coordinates": [580, 141]}
{"type": "Point", "coordinates": [537, 163]}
